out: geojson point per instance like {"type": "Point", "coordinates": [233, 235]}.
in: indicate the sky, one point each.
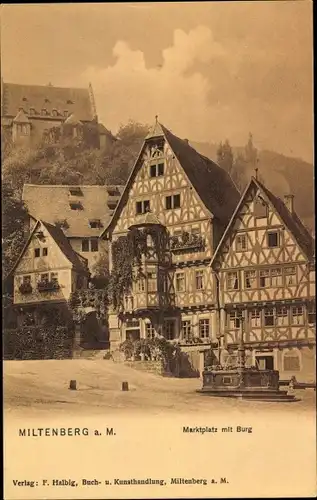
{"type": "Point", "coordinates": [211, 71]}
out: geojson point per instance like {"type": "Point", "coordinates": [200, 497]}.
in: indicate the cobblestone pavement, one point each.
{"type": "Point", "coordinates": [39, 386]}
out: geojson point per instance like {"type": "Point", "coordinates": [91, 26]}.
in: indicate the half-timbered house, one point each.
{"type": "Point", "coordinates": [265, 269]}
{"type": "Point", "coordinates": [183, 202]}
{"type": "Point", "coordinates": [47, 272]}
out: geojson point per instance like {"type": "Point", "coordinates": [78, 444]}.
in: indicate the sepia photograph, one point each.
{"type": "Point", "coordinates": [158, 250]}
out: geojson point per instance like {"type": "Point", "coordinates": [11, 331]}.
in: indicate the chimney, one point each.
{"type": "Point", "coordinates": [289, 202]}
{"type": "Point", "coordinates": [186, 140]}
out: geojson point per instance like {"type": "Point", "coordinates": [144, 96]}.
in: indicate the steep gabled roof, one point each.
{"type": "Point", "coordinates": [290, 220]}
{"type": "Point", "coordinates": [78, 262]}
{"type": "Point", "coordinates": [213, 185]}
{"type": "Point", "coordinates": [74, 100]}
{"type": "Point", "coordinates": [52, 204]}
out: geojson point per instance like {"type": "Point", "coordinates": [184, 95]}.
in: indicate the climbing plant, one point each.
{"type": "Point", "coordinates": [127, 252]}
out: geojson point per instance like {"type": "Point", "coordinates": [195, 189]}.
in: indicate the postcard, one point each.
{"type": "Point", "coordinates": [159, 333]}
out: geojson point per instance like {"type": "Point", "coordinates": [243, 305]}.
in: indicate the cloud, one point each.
{"type": "Point", "coordinates": [208, 90]}
{"type": "Point", "coordinates": [173, 90]}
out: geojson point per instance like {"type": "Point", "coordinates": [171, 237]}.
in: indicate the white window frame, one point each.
{"type": "Point", "coordinates": [232, 280]}
{"type": "Point", "coordinates": [149, 330]}
{"type": "Point", "coordinates": [199, 279]}
{"type": "Point", "coordinates": [204, 328]}
{"type": "Point", "coordinates": [180, 279]}
{"type": "Point", "coordinates": [297, 315]}
{"type": "Point", "coordinates": [250, 276]}
{"type": "Point", "coordinates": [282, 316]}
{"type": "Point", "coordinates": [241, 242]}
{"type": "Point", "coordinates": [255, 317]}
{"type": "Point", "coordinates": [186, 329]}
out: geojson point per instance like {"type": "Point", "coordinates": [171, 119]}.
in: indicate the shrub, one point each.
{"type": "Point", "coordinates": [34, 342]}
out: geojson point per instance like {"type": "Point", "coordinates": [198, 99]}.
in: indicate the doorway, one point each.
{"type": "Point", "coordinates": [265, 362]}
{"type": "Point", "coordinates": [132, 334]}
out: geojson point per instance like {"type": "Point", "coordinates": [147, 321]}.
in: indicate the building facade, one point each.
{"type": "Point", "coordinates": [47, 272]}
{"type": "Point", "coordinates": [264, 267]}
{"type": "Point", "coordinates": [179, 202]}
{"type": "Point", "coordinates": [32, 113]}
{"type": "Point", "coordinates": [80, 211]}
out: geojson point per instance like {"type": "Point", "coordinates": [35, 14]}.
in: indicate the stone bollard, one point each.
{"type": "Point", "coordinates": [125, 386]}
{"type": "Point", "coordinates": [73, 385]}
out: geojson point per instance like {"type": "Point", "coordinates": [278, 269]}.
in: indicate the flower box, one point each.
{"type": "Point", "coordinates": [47, 286]}
{"type": "Point", "coordinates": [25, 288]}
{"type": "Point", "coordinates": [187, 241]}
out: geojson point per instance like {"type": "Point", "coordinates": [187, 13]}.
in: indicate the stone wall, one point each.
{"type": "Point", "coordinates": [155, 367]}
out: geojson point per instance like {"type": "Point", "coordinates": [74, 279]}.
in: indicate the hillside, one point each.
{"type": "Point", "coordinates": [282, 175]}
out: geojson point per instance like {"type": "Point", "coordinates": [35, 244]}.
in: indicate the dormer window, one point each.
{"type": "Point", "coordinates": [75, 205]}
{"type": "Point", "coordinates": [65, 112]}
{"type": "Point", "coordinates": [24, 99]}
{"type": "Point", "coordinates": [54, 112]}
{"type": "Point", "coordinates": [32, 111]}
{"type": "Point", "coordinates": [95, 223]}
{"type": "Point", "coordinates": [157, 170]}
{"type": "Point", "coordinates": [75, 191]}
{"type": "Point", "coordinates": [46, 100]}
{"type": "Point", "coordinates": [69, 102]}
{"type": "Point", "coordinates": [44, 111]}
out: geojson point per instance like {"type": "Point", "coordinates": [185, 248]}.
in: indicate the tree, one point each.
{"type": "Point", "coordinates": [250, 152]}
{"type": "Point", "coordinates": [225, 156]}
{"type": "Point", "coordinates": [14, 220]}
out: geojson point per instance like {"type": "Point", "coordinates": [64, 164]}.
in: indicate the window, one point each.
{"type": "Point", "coordinates": [272, 239]}
{"type": "Point", "coordinates": [282, 316]}
{"type": "Point", "coordinates": [45, 277]}
{"type": "Point", "coordinates": [26, 280]}
{"type": "Point", "coordinates": [45, 251]}
{"type": "Point", "coordinates": [85, 246]}
{"type": "Point", "coordinates": [241, 242]}
{"type": "Point", "coordinates": [235, 319]}
{"type": "Point", "coordinates": [199, 280]}
{"type": "Point", "coordinates": [54, 277]}
{"type": "Point", "coordinates": [157, 170]}
{"type": "Point", "coordinates": [37, 252]}
{"type": "Point", "coordinates": [169, 329]}
{"type": "Point", "coordinates": [180, 282]}
{"type": "Point", "coordinates": [250, 279]}
{"type": "Point", "coordinates": [264, 278]}
{"type": "Point", "coordinates": [276, 277]}
{"type": "Point", "coordinates": [173, 201]}
{"type": "Point", "coordinates": [232, 281]}
{"type": "Point", "coordinates": [311, 314]}
{"type": "Point", "coordinates": [255, 318]}
{"type": "Point", "coordinates": [75, 191]}
{"type": "Point", "coordinates": [290, 275]}
{"type": "Point", "coordinates": [150, 331]}
{"type": "Point", "coordinates": [141, 207]}
{"type": "Point", "coordinates": [151, 282]}
{"type": "Point", "coordinates": [54, 112]}
{"type": "Point", "coordinates": [260, 208]}
{"type": "Point", "coordinates": [94, 245]}
{"type": "Point", "coordinates": [69, 102]}
{"type": "Point", "coordinates": [44, 111]}
{"type": "Point", "coordinates": [204, 328]}
{"type": "Point", "coordinates": [65, 112]}
{"type": "Point", "coordinates": [141, 285]}
{"type": "Point", "coordinates": [32, 111]}
{"type": "Point", "coordinates": [269, 317]}
{"type": "Point", "coordinates": [297, 315]}
{"type": "Point", "coordinates": [75, 205]}
{"type": "Point", "coordinates": [186, 327]}
{"type": "Point", "coordinates": [291, 361]}
{"type": "Point", "coordinates": [95, 224]}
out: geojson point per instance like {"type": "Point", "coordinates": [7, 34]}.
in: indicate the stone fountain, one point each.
{"type": "Point", "coordinates": [239, 381]}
